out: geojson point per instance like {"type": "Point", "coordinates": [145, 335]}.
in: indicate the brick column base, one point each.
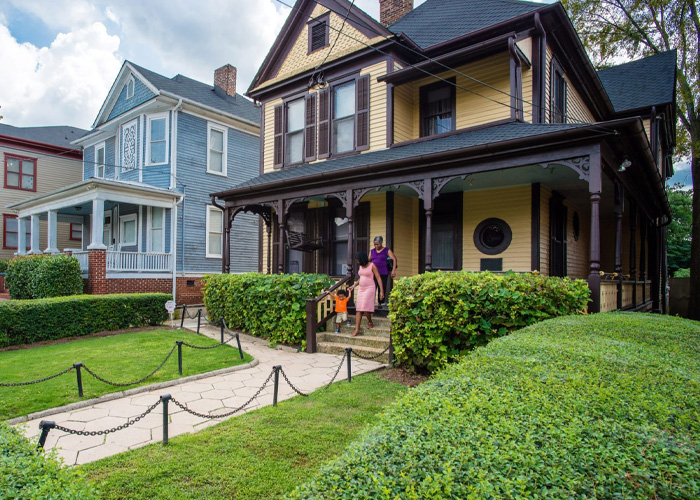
{"type": "Point", "coordinates": [97, 272]}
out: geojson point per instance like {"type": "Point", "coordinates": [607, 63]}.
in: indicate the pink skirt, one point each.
{"type": "Point", "coordinates": [364, 302]}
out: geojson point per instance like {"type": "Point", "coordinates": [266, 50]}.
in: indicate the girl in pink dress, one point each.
{"type": "Point", "coordinates": [364, 302]}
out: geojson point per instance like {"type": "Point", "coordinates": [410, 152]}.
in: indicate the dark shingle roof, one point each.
{"type": "Point", "coordinates": [202, 93]}
{"type": "Point", "coordinates": [642, 83]}
{"type": "Point", "coordinates": [60, 135]}
{"type": "Point", "coordinates": [437, 21]}
{"type": "Point", "coordinates": [514, 130]}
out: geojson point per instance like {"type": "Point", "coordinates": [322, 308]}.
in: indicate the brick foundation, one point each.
{"type": "Point", "coordinates": [189, 294]}
{"type": "Point", "coordinates": [97, 273]}
{"type": "Point", "coordinates": [2, 283]}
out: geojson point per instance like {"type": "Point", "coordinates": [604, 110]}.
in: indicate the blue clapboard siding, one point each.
{"type": "Point", "coordinates": [89, 159]}
{"type": "Point", "coordinates": [122, 105]}
{"type": "Point", "coordinates": [157, 175]}
{"type": "Point", "coordinates": [88, 162]}
{"type": "Point", "coordinates": [110, 157]}
{"type": "Point", "coordinates": [242, 164]}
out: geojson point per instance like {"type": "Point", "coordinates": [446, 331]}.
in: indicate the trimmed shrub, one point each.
{"type": "Point", "coordinates": [437, 317]}
{"type": "Point", "coordinates": [27, 321]}
{"type": "Point", "coordinates": [682, 273]}
{"type": "Point", "coordinates": [32, 474]}
{"type": "Point", "coordinates": [3, 265]}
{"type": "Point", "coordinates": [269, 306]}
{"type": "Point", "coordinates": [600, 406]}
{"type": "Point", "coordinates": [43, 276]}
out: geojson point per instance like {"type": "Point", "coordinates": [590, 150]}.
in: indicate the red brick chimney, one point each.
{"type": "Point", "coordinates": [225, 79]}
{"type": "Point", "coordinates": [391, 11]}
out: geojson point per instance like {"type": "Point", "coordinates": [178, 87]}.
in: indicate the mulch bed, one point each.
{"type": "Point", "coordinates": [403, 377]}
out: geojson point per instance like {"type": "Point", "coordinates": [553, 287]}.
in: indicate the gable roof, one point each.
{"type": "Point", "coordinates": [654, 82]}
{"type": "Point", "coordinates": [438, 21]}
{"type": "Point", "coordinates": [60, 135]}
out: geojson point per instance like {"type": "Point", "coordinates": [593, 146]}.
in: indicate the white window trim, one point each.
{"type": "Point", "coordinates": [149, 226]}
{"type": "Point", "coordinates": [103, 147]}
{"type": "Point", "coordinates": [131, 81]}
{"type": "Point", "coordinates": [209, 255]}
{"type": "Point", "coordinates": [149, 118]}
{"type": "Point", "coordinates": [122, 220]}
{"type": "Point", "coordinates": [211, 126]}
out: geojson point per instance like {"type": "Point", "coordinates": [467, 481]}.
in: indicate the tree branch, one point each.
{"type": "Point", "coordinates": [639, 29]}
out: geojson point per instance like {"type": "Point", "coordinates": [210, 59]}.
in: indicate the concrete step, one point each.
{"type": "Point", "coordinates": [334, 348]}
{"type": "Point", "coordinates": [358, 341]}
{"type": "Point", "coordinates": [377, 321]}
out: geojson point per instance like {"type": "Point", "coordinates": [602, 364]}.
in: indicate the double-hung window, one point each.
{"type": "Point", "coordinates": [76, 232]}
{"type": "Point", "coordinates": [157, 140]}
{"type": "Point", "coordinates": [20, 172]}
{"type": "Point", "coordinates": [216, 149]}
{"type": "Point", "coordinates": [437, 108]}
{"type": "Point", "coordinates": [343, 129]}
{"type": "Point", "coordinates": [10, 232]}
{"type": "Point", "coordinates": [100, 160]}
{"type": "Point", "coordinates": [128, 230]}
{"type": "Point", "coordinates": [130, 88]}
{"type": "Point", "coordinates": [558, 94]}
{"type": "Point", "coordinates": [294, 132]}
{"type": "Point", "coordinates": [156, 230]}
{"type": "Point", "coordinates": [215, 232]}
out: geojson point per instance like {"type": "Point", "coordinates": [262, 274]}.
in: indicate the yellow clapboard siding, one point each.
{"type": "Point", "coordinates": [526, 47]}
{"type": "Point", "coordinates": [405, 244]}
{"type": "Point", "coordinates": [576, 110]}
{"type": "Point", "coordinates": [403, 113]}
{"type": "Point", "coordinates": [578, 252]}
{"type": "Point", "coordinates": [513, 205]}
{"type": "Point", "coordinates": [298, 59]}
{"type": "Point", "coordinates": [377, 216]}
{"type": "Point", "coordinates": [545, 195]}
{"type": "Point", "coordinates": [377, 106]}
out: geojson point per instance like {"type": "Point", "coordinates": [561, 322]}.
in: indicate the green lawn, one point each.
{"type": "Point", "coordinates": [119, 358]}
{"type": "Point", "coordinates": [261, 454]}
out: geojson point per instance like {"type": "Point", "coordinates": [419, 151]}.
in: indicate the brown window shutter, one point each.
{"type": "Point", "coordinates": [565, 90]}
{"type": "Point", "coordinates": [278, 153]}
{"type": "Point", "coordinates": [362, 115]}
{"type": "Point", "coordinates": [323, 123]}
{"type": "Point", "coordinates": [310, 128]}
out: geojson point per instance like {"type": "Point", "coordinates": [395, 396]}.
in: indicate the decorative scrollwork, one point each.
{"type": "Point", "coordinates": [275, 205]}
{"type": "Point", "coordinates": [341, 195]}
{"type": "Point", "coordinates": [417, 186]}
{"type": "Point", "coordinates": [440, 182]}
{"type": "Point", "coordinates": [580, 164]}
{"type": "Point", "coordinates": [288, 204]}
{"type": "Point", "coordinates": [357, 194]}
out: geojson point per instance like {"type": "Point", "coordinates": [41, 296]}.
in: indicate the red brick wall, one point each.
{"type": "Point", "coordinates": [189, 294]}
{"type": "Point", "coordinates": [2, 284]}
{"type": "Point", "coordinates": [97, 273]}
{"type": "Point", "coordinates": [185, 294]}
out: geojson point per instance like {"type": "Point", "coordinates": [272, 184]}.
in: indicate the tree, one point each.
{"type": "Point", "coordinates": [637, 28]}
{"type": "Point", "coordinates": [678, 233]}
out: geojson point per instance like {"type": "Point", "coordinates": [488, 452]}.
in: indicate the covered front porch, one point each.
{"type": "Point", "coordinates": [121, 229]}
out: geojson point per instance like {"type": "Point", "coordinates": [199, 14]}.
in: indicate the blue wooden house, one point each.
{"type": "Point", "coordinates": [156, 150]}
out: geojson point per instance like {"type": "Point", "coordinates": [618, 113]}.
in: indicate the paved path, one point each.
{"type": "Point", "coordinates": [212, 395]}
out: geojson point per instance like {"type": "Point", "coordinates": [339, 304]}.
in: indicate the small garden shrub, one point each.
{"type": "Point", "coordinates": [268, 306]}
{"type": "Point", "coordinates": [43, 276]}
{"type": "Point", "coordinates": [603, 406]}
{"type": "Point", "coordinates": [27, 321]}
{"type": "Point", "coordinates": [436, 317]}
{"type": "Point", "coordinates": [682, 273]}
{"type": "Point", "coordinates": [30, 474]}
{"type": "Point", "coordinates": [3, 265]}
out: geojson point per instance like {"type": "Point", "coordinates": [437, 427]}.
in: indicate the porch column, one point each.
{"type": "Point", "coordinates": [53, 233]}
{"type": "Point", "coordinates": [633, 251]}
{"type": "Point", "coordinates": [98, 217]}
{"type": "Point", "coordinates": [226, 260]}
{"type": "Point", "coordinates": [594, 188]}
{"type": "Point", "coordinates": [428, 206]}
{"type": "Point", "coordinates": [269, 244]}
{"type": "Point", "coordinates": [280, 247]}
{"type": "Point", "coordinates": [21, 238]}
{"type": "Point", "coordinates": [35, 250]}
{"type": "Point", "coordinates": [349, 206]}
{"type": "Point", "coordinates": [642, 258]}
{"type": "Point", "coordinates": [619, 211]}
{"type": "Point", "coordinates": [655, 269]}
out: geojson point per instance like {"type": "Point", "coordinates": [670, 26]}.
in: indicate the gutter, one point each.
{"type": "Point", "coordinates": [208, 108]}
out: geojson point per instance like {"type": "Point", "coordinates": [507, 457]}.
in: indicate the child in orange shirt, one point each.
{"type": "Point", "coordinates": [341, 307]}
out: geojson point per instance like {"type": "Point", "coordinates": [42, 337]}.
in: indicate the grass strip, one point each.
{"type": "Point", "coordinates": [118, 358]}
{"type": "Point", "coordinates": [259, 455]}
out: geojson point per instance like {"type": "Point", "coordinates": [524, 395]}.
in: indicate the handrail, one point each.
{"type": "Point", "coordinates": [313, 322]}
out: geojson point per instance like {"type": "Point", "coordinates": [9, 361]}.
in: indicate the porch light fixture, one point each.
{"type": "Point", "coordinates": [78, 208]}
{"type": "Point", "coordinates": [624, 165]}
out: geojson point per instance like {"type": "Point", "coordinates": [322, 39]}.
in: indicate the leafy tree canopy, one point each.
{"type": "Point", "coordinates": [678, 233]}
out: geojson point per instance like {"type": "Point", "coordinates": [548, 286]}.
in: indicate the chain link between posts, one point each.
{"type": "Point", "coordinates": [118, 384]}
{"type": "Point", "coordinates": [17, 384]}
{"type": "Point", "coordinates": [129, 422]}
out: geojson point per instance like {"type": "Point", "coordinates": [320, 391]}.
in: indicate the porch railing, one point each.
{"type": "Point", "coordinates": [139, 261]}
{"type": "Point", "coordinates": [318, 311]}
{"type": "Point", "coordinates": [610, 288]}
{"type": "Point", "coordinates": [83, 260]}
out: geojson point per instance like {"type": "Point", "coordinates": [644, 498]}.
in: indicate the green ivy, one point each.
{"type": "Point", "coordinates": [29, 473]}
{"type": "Point", "coordinates": [27, 321]}
{"type": "Point", "coordinates": [437, 317]}
{"type": "Point", "coordinates": [43, 276]}
{"type": "Point", "coordinates": [268, 306]}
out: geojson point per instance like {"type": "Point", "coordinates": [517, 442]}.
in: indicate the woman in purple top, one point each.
{"type": "Point", "coordinates": [378, 256]}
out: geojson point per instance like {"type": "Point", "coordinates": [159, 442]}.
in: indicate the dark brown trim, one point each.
{"type": "Point", "coordinates": [516, 82]}
{"type": "Point", "coordinates": [311, 24]}
{"type": "Point", "coordinates": [423, 101]}
{"type": "Point", "coordinates": [389, 105]}
{"type": "Point", "coordinates": [454, 132]}
{"type": "Point", "coordinates": [260, 245]}
{"type": "Point", "coordinates": [535, 214]}
{"type": "Point", "coordinates": [539, 78]}
{"type": "Point", "coordinates": [262, 139]}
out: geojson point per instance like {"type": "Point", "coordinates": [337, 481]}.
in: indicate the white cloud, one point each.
{"type": "Point", "coordinates": [60, 14]}
{"type": "Point", "coordinates": [63, 84]}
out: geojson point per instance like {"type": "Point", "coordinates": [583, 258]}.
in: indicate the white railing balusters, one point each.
{"type": "Point", "coordinates": [138, 261]}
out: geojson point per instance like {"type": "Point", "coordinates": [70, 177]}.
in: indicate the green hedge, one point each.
{"type": "Point", "coordinates": [437, 317]}
{"type": "Point", "coordinates": [27, 321]}
{"type": "Point", "coordinates": [43, 276]}
{"type": "Point", "coordinates": [30, 474]}
{"type": "Point", "coordinates": [268, 306]}
{"type": "Point", "coordinates": [3, 265]}
{"type": "Point", "coordinates": [602, 406]}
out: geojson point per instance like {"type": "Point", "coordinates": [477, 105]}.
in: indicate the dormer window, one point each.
{"type": "Point", "coordinates": [318, 34]}
{"type": "Point", "coordinates": [437, 108]}
{"type": "Point", "coordinates": [558, 97]}
{"type": "Point", "coordinates": [130, 88]}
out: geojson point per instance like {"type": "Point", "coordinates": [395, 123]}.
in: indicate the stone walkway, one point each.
{"type": "Point", "coordinates": [211, 395]}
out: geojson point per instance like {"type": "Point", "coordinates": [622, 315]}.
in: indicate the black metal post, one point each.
{"type": "Point", "coordinates": [277, 383]}
{"type": "Point", "coordinates": [80, 378]}
{"type": "Point", "coordinates": [240, 349]}
{"type": "Point", "coordinates": [179, 356]}
{"type": "Point", "coordinates": [348, 351]}
{"type": "Point", "coordinates": [222, 330]}
{"type": "Point", "coordinates": [165, 398]}
{"type": "Point", "coordinates": [184, 312]}
{"type": "Point", "coordinates": [45, 426]}
{"type": "Point", "coordinates": [199, 319]}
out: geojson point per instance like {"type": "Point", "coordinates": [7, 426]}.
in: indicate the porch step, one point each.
{"type": "Point", "coordinates": [370, 341]}
{"type": "Point", "coordinates": [334, 348]}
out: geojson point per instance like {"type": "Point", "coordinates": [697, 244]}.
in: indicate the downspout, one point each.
{"type": "Point", "coordinates": [542, 69]}
{"type": "Point", "coordinates": [173, 242]}
{"type": "Point", "coordinates": [173, 186]}
{"type": "Point", "coordinates": [516, 98]}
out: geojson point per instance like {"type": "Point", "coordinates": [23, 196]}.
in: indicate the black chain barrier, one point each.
{"type": "Point", "coordinates": [209, 346]}
{"type": "Point", "coordinates": [371, 357]}
{"type": "Point", "coordinates": [17, 384]}
{"type": "Point", "coordinates": [117, 384]}
{"type": "Point", "coordinates": [228, 414]}
{"type": "Point", "coordinates": [187, 312]}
